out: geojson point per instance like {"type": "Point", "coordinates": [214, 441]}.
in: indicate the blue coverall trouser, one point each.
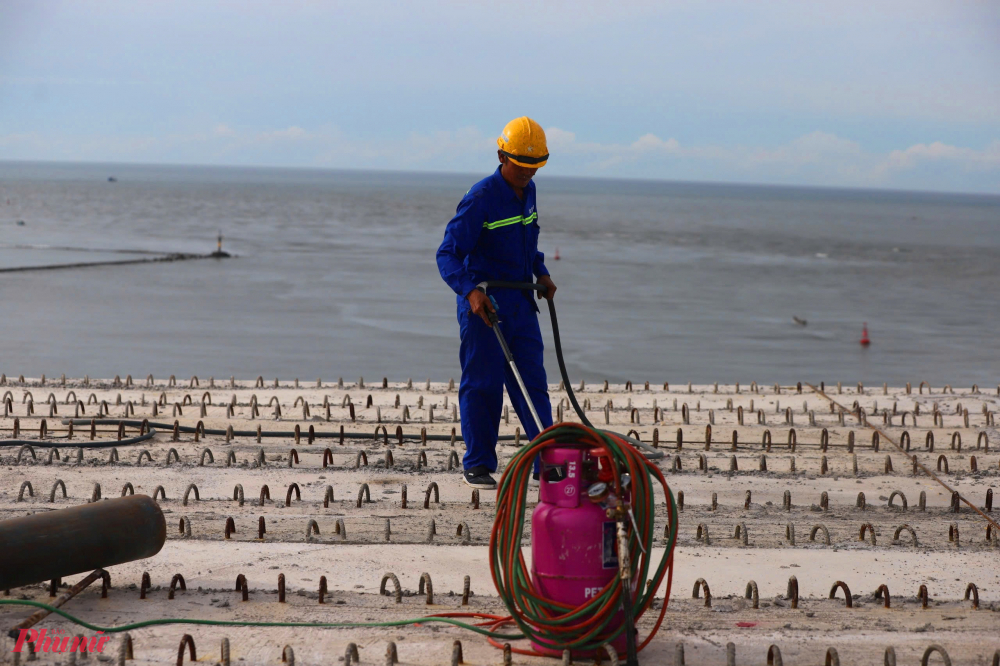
{"type": "Point", "coordinates": [485, 373]}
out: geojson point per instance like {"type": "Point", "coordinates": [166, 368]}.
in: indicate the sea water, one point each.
{"type": "Point", "coordinates": [334, 275]}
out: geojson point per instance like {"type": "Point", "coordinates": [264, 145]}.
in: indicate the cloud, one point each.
{"type": "Point", "coordinates": [938, 152]}
{"type": "Point", "coordinates": [817, 158]}
{"type": "Point", "coordinates": [650, 149]}
{"type": "Point", "coordinates": [292, 133]}
{"type": "Point", "coordinates": [606, 156]}
{"type": "Point", "coordinates": [651, 143]}
{"type": "Point", "coordinates": [559, 138]}
{"type": "Point", "coordinates": [811, 148]}
{"type": "Point", "coordinates": [18, 139]}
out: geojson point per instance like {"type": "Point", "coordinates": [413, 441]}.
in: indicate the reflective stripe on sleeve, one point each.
{"type": "Point", "coordinates": [517, 219]}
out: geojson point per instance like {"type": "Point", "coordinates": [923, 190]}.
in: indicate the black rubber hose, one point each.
{"type": "Point", "coordinates": [64, 442]}
{"type": "Point", "coordinates": [497, 284]}
{"type": "Point", "coordinates": [650, 452]}
{"type": "Point", "coordinates": [263, 433]}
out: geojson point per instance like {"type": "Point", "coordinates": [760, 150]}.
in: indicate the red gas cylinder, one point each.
{"type": "Point", "coordinates": [573, 542]}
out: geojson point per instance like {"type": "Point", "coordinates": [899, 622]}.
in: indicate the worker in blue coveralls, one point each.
{"type": "Point", "coordinates": [494, 236]}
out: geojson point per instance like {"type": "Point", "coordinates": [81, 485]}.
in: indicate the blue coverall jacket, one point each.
{"type": "Point", "coordinates": [494, 236]}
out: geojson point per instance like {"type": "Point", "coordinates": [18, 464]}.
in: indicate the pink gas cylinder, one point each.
{"type": "Point", "coordinates": [573, 542]}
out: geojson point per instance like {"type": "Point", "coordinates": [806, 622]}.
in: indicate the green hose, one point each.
{"type": "Point", "coordinates": [551, 623]}
{"type": "Point", "coordinates": [240, 623]}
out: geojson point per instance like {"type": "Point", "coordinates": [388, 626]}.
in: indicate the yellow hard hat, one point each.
{"type": "Point", "coordinates": [523, 141]}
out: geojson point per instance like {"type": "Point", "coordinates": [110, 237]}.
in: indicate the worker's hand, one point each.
{"type": "Point", "coordinates": [550, 286]}
{"type": "Point", "coordinates": [480, 304]}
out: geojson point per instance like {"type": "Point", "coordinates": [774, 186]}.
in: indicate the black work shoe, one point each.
{"type": "Point", "coordinates": [479, 477]}
{"type": "Point", "coordinates": [534, 480]}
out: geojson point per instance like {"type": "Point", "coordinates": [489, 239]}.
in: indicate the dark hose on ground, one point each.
{"type": "Point", "coordinates": [132, 423]}
{"type": "Point", "coordinates": [58, 442]}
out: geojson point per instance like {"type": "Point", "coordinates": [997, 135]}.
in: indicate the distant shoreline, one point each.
{"type": "Point", "coordinates": [112, 167]}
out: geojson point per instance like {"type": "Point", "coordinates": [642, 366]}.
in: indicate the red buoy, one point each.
{"type": "Point", "coordinates": [864, 335]}
{"type": "Point", "coordinates": [556, 257]}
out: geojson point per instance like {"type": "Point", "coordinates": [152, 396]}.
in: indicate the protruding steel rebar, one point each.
{"type": "Point", "coordinates": [398, 591]}
{"type": "Point", "coordinates": [700, 585]}
{"type": "Point", "coordinates": [847, 592]}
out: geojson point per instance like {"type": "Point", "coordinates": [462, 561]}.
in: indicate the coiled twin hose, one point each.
{"type": "Point", "coordinates": [557, 625]}
{"type": "Point", "coordinates": [546, 621]}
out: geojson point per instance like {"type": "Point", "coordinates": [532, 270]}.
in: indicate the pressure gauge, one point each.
{"type": "Point", "coordinates": [597, 492]}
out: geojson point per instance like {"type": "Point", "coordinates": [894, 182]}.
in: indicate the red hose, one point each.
{"type": "Point", "coordinates": [549, 618]}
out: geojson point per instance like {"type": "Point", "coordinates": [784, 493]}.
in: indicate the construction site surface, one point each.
{"type": "Point", "coordinates": [819, 524]}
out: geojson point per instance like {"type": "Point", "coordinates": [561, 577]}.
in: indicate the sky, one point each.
{"type": "Point", "coordinates": [900, 95]}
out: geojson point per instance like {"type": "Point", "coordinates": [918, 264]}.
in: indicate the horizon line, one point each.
{"type": "Point", "coordinates": [375, 170]}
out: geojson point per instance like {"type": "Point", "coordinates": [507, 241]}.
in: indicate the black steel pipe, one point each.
{"type": "Point", "coordinates": [60, 543]}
